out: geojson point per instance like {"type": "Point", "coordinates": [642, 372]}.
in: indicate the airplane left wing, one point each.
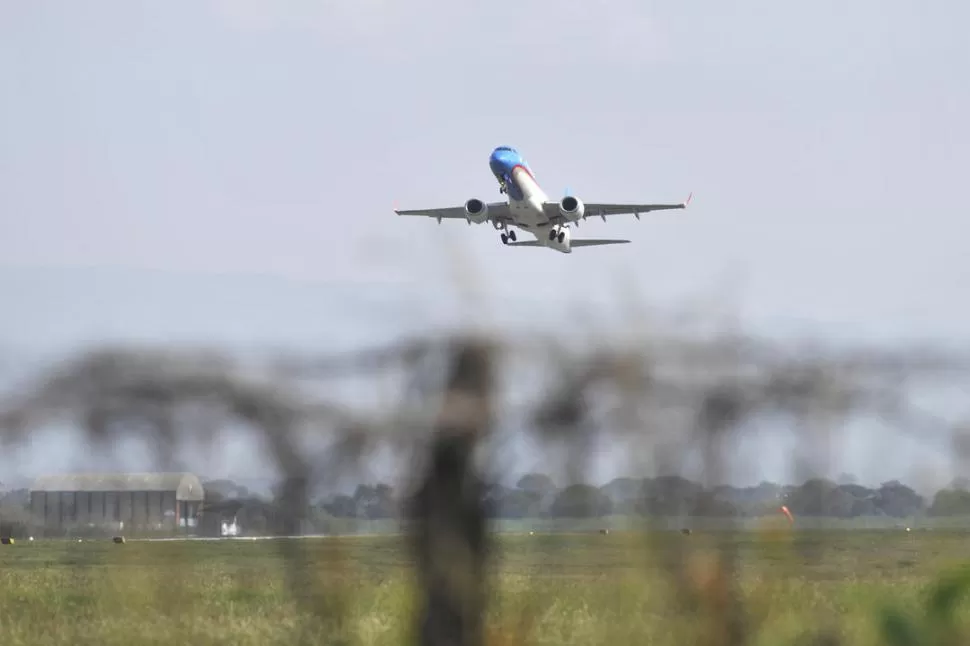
{"type": "Point", "coordinates": [603, 209]}
{"type": "Point", "coordinates": [497, 212]}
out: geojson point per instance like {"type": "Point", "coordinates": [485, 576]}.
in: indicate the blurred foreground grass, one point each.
{"type": "Point", "coordinates": [586, 589]}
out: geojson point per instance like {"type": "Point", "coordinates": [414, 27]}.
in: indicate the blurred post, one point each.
{"type": "Point", "coordinates": [448, 511]}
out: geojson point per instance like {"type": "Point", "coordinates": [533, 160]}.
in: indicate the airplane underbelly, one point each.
{"type": "Point", "coordinates": [528, 206]}
{"type": "Point", "coordinates": [527, 185]}
{"type": "Point", "coordinates": [526, 214]}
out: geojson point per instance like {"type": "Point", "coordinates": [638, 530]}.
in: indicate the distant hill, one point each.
{"type": "Point", "coordinates": [51, 309]}
{"type": "Point", "coordinates": [48, 310]}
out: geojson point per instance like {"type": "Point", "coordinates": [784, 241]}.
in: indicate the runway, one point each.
{"type": "Point", "coordinates": [173, 539]}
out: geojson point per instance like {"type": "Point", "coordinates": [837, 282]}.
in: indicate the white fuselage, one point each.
{"type": "Point", "coordinates": [529, 213]}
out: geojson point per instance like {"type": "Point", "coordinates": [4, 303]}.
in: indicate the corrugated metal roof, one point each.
{"type": "Point", "coordinates": [186, 485]}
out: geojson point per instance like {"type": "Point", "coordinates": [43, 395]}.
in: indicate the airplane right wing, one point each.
{"type": "Point", "coordinates": [603, 209]}
{"type": "Point", "coordinates": [497, 212]}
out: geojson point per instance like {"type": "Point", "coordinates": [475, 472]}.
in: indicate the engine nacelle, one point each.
{"type": "Point", "coordinates": [476, 210]}
{"type": "Point", "coordinates": [572, 208]}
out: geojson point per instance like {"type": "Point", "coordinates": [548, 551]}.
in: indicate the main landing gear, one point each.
{"type": "Point", "coordinates": [507, 232]}
{"type": "Point", "coordinates": [557, 232]}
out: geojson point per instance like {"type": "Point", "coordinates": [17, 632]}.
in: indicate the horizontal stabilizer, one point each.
{"type": "Point", "coordinates": [573, 243]}
{"type": "Point", "coordinates": [595, 243]}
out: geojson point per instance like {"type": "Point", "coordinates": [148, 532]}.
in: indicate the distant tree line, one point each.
{"type": "Point", "coordinates": [536, 496]}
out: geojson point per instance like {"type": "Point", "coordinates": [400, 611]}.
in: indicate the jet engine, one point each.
{"type": "Point", "coordinates": [476, 210]}
{"type": "Point", "coordinates": [572, 208]}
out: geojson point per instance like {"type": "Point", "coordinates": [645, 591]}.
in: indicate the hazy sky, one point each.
{"type": "Point", "coordinates": [825, 145]}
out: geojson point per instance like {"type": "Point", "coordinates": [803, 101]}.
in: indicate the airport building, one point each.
{"type": "Point", "coordinates": [120, 502]}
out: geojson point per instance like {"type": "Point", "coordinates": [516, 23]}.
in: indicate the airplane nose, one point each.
{"type": "Point", "coordinates": [496, 163]}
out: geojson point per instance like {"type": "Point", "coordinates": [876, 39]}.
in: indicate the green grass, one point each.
{"type": "Point", "coordinates": [660, 588]}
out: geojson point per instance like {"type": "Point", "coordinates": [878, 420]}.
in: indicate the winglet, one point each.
{"type": "Point", "coordinates": [688, 199]}
{"type": "Point", "coordinates": [394, 206]}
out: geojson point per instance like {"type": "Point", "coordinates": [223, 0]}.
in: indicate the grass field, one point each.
{"type": "Point", "coordinates": [557, 589]}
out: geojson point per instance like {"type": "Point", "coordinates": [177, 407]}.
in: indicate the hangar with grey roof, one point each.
{"type": "Point", "coordinates": [119, 501]}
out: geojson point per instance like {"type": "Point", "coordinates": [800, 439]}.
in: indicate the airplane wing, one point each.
{"type": "Point", "coordinates": [591, 242]}
{"type": "Point", "coordinates": [603, 209]}
{"type": "Point", "coordinates": [497, 212]}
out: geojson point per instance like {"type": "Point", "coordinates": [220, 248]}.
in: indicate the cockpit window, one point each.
{"type": "Point", "coordinates": [506, 148]}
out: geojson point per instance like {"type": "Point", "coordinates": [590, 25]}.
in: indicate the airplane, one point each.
{"type": "Point", "coordinates": [530, 209]}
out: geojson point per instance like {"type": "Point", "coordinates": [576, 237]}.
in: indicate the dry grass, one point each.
{"type": "Point", "coordinates": [545, 589]}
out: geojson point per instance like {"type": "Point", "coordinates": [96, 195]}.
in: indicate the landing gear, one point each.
{"type": "Point", "coordinates": [508, 233]}
{"type": "Point", "coordinates": [557, 233]}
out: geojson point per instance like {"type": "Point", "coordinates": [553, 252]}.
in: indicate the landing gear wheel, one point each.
{"type": "Point", "coordinates": [512, 235]}
{"type": "Point", "coordinates": [552, 234]}
{"type": "Point", "coordinates": [562, 236]}
{"type": "Point", "coordinates": [505, 239]}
